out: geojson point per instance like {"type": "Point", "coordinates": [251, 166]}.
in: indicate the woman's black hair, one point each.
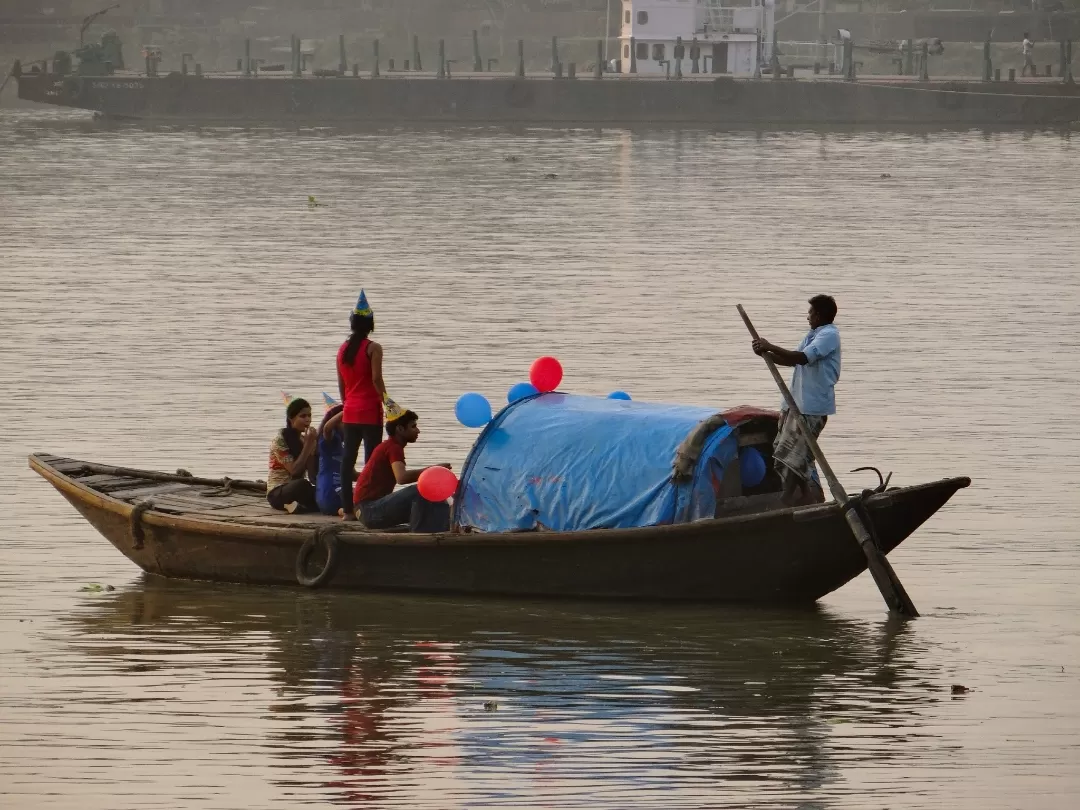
{"type": "Point", "coordinates": [291, 434]}
{"type": "Point", "coordinates": [361, 326]}
{"type": "Point", "coordinates": [294, 407]}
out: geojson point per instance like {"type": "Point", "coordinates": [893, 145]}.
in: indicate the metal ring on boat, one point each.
{"type": "Point", "coordinates": [138, 537]}
{"type": "Point", "coordinates": [326, 536]}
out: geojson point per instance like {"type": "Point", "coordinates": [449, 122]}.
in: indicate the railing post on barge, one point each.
{"type": "Point", "coordinates": [521, 59]}
{"type": "Point", "coordinates": [598, 73]}
{"type": "Point", "coordinates": [375, 57]}
{"type": "Point", "coordinates": [477, 62]}
{"type": "Point", "coordinates": [924, 73]}
{"type": "Point", "coordinates": [416, 52]}
{"type": "Point", "coordinates": [555, 55]}
{"type": "Point", "coordinates": [343, 64]}
{"type": "Point", "coordinates": [988, 65]}
{"type": "Point", "coordinates": [442, 59]}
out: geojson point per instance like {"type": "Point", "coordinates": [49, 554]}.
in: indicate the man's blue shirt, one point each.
{"type": "Point", "coordinates": [813, 384]}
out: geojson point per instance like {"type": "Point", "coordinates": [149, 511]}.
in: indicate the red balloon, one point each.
{"type": "Point", "coordinates": [436, 484]}
{"type": "Point", "coordinates": [545, 373]}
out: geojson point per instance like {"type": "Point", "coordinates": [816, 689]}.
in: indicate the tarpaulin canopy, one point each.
{"type": "Point", "coordinates": [563, 462]}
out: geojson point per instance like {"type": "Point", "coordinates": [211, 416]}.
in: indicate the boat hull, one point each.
{"type": "Point", "coordinates": [401, 99]}
{"type": "Point", "coordinates": [784, 556]}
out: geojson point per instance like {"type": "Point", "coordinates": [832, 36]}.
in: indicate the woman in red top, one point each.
{"type": "Point", "coordinates": [360, 381]}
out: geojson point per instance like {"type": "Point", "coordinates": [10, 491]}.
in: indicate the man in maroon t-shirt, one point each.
{"type": "Point", "coordinates": [378, 505]}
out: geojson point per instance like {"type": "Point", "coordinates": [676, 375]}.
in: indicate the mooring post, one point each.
{"type": "Point", "coordinates": [297, 68]}
{"type": "Point", "coordinates": [1068, 62]}
{"type": "Point", "coordinates": [988, 66]}
{"type": "Point", "coordinates": [695, 56]}
{"type": "Point", "coordinates": [375, 58]}
{"type": "Point", "coordinates": [633, 54]}
{"type": "Point", "coordinates": [558, 70]}
{"type": "Point", "coordinates": [849, 60]}
{"type": "Point", "coordinates": [521, 58]}
{"type": "Point", "coordinates": [909, 57]}
{"type": "Point", "coordinates": [924, 73]}
{"type": "Point", "coordinates": [343, 63]}
{"type": "Point", "coordinates": [477, 62]}
{"type": "Point", "coordinates": [247, 57]}
{"type": "Point", "coordinates": [554, 55]}
{"type": "Point", "coordinates": [442, 59]}
{"type": "Point", "coordinates": [571, 71]}
{"type": "Point", "coordinates": [356, 70]}
{"type": "Point", "coordinates": [416, 52]}
{"type": "Point", "coordinates": [198, 70]}
{"type": "Point", "coordinates": [1012, 74]}
{"type": "Point", "coordinates": [1049, 71]}
{"type": "Point", "coordinates": [599, 72]}
{"type": "Point", "coordinates": [997, 74]}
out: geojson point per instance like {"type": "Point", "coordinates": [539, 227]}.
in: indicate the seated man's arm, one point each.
{"type": "Point", "coordinates": [404, 475]}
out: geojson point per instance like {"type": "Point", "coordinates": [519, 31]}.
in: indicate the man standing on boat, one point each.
{"type": "Point", "coordinates": [817, 370]}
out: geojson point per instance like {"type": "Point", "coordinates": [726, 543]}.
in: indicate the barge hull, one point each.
{"type": "Point", "coordinates": [404, 100]}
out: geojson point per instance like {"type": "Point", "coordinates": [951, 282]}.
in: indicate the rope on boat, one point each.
{"type": "Point", "coordinates": [326, 536]}
{"type": "Point", "coordinates": [138, 537]}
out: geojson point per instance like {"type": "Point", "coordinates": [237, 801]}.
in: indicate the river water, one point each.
{"type": "Point", "coordinates": [160, 287]}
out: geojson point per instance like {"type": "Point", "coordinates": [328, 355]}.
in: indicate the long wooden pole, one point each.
{"type": "Point", "coordinates": [892, 591]}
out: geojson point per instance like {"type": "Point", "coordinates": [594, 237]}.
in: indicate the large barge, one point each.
{"type": "Point", "coordinates": [677, 64]}
{"type": "Point", "coordinates": [491, 99]}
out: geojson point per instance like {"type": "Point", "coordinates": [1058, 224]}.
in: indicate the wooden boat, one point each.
{"type": "Point", "coordinates": [177, 525]}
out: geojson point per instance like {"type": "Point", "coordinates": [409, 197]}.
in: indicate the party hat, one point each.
{"type": "Point", "coordinates": [362, 306]}
{"type": "Point", "coordinates": [393, 410]}
{"type": "Point", "coordinates": [286, 398]}
{"type": "Point", "coordinates": [329, 400]}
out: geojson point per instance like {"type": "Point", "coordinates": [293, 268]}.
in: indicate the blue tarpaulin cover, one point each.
{"type": "Point", "coordinates": [564, 462]}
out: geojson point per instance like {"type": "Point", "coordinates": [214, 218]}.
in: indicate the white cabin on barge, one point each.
{"type": "Point", "coordinates": [734, 38]}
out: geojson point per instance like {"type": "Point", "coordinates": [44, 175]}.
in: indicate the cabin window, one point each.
{"type": "Point", "coordinates": [625, 51]}
{"type": "Point", "coordinates": [626, 17]}
{"type": "Point", "coordinates": [658, 52]}
{"type": "Point", "coordinates": [642, 17]}
{"type": "Point", "coordinates": [643, 50]}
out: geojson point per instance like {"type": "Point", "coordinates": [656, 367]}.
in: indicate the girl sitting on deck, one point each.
{"type": "Point", "coordinates": [293, 461]}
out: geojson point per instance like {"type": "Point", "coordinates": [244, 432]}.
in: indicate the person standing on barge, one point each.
{"type": "Point", "coordinates": [817, 370]}
{"type": "Point", "coordinates": [360, 382]}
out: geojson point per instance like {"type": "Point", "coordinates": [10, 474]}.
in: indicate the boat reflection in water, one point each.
{"type": "Point", "coordinates": [401, 698]}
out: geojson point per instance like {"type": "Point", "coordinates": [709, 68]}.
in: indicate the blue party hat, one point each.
{"type": "Point", "coordinates": [329, 400]}
{"type": "Point", "coordinates": [362, 306]}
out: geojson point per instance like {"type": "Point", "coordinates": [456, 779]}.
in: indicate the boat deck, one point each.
{"type": "Point", "coordinates": [221, 500]}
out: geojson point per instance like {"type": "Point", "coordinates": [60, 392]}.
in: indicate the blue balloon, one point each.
{"type": "Point", "coordinates": [520, 391]}
{"type": "Point", "coordinates": [473, 410]}
{"type": "Point", "coordinates": [751, 466]}
{"type": "Point", "coordinates": [619, 395]}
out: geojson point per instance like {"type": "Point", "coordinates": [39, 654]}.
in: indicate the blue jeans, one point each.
{"type": "Point", "coordinates": [405, 505]}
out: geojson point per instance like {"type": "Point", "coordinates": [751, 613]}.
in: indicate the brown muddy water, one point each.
{"type": "Point", "coordinates": [160, 287]}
